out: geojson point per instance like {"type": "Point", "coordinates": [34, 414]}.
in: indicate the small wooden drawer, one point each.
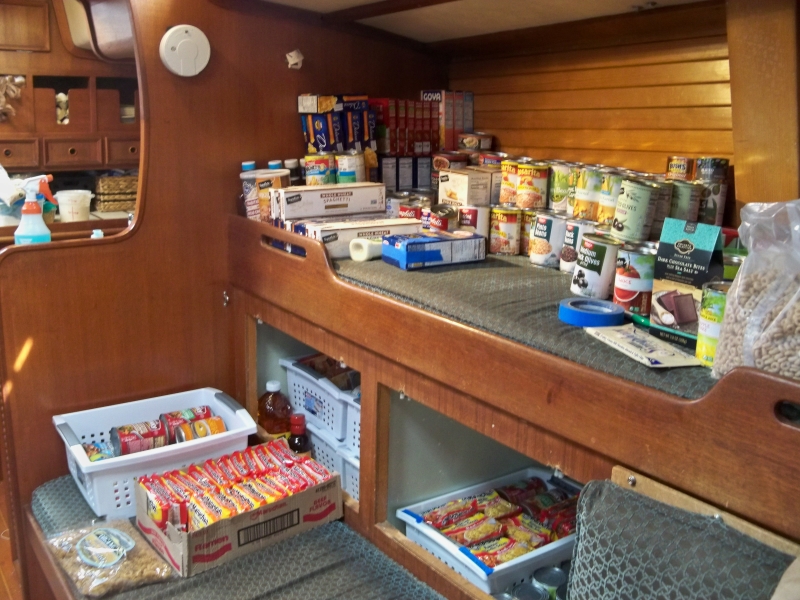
{"type": "Point", "coordinates": [19, 153]}
{"type": "Point", "coordinates": [122, 152]}
{"type": "Point", "coordinates": [72, 152]}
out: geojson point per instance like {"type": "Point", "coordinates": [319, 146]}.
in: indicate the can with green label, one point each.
{"type": "Point", "coordinates": [595, 267]}
{"type": "Point", "coordinates": [636, 205]}
{"type": "Point", "coordinates": [712, 202]}
{"type": "Point", "coordinates": [610, 187]}
{"type": "Point", "coordinates": [712, 310]}
{"type": "Point", "coordinates": [685, 200]}
{"type": "Point", "coordinates": [558, 187]}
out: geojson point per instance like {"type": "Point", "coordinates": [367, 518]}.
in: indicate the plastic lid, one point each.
{"type": "Point", "coordinates": [274, 386]}
{"type": "Point", "coordinates": [97, 234]}
{"type": "Point", "coordinates": [297, 424]}
{"type": "Point", "coordinates": [248, 165]}
{"type": "Point", "coordinates": [291, 163]}
{"type": "Point", "coordinates": [275, 164]}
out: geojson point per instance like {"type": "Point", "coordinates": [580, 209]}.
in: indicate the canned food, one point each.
{"type": "Point", "coordinates": [171, 420]}
{"type": "Point", "coordinates": [574, 173]}
{"type": "Point", "coordinates": [731, 265]}
{"type": "Point", "coordinates": [425, 196]}
{"type": "Point", "coordinates": [633, 282]}
{"type": "Point", "coordinates": [550, 578]}
{"type": "Point", "coordinates": [434, 180]}
{"type": "Point", "coordinates": [547, 238]}
{"type": "Point", "coordinates": [504, 229]}
{"type": "Point", "coordinates": [558, 187]}
{"type": "Point", "coordinates": [508, 184]}
{"type": "Point", "coordinates": [587, 194]}
{"type": "Point", "coordinates": [350, 167]}
{"type": "Point", "coordinates": [444, 217]}
{"type": "Point", "coordinates": [492, 158]}
{"type": "Point", "coordinates": [561, 592]}
{"type": "Point", "coordinates": [531, 591]}
{"type": "Point", "coordinates": [712, 311]}
{"type": "Point", "coordinates": [410, 210]}
{"type": "Point", "coordinates": [473, 156]}
{"type": "Point", "coordinates": [475, 219]}
{"type": "Point", "coordinates": [528, 217]}
{"type": "Point", "coordinates": [635, 210]}
{"type": "Point", "coordinates": [320, 168]}
{"type": "Point", "coordinates": [712, 202]}
{"type": "Point", "coordinates": [610, 186]}
{"type": "Point", "coordinates": [663, 205]}
{"type": "Point", "coordinates": [426, 217]}
{"type": "Point", "coordinates": [200, 429]}
{"type": "Point", "coordinates": [711, 169]}
{"type": "Point", "coordinates": [573, 234]}
{"type": "Point", "coordinates": [680, 167]}
{"type": "Point", "coordinates": [449, 160]}
{"type": "Point", "coordinates": [532, 185]}
{"type": "Point", "coordinates": [393, 201]}
{"type": "Point", "coordinates": [503, 596]}
{"type": "Point", "coordinates": [685, 200]}
{"type": "Point", "coordinates": [138, 437]}
{"type": "Point", "coordinates": [475, 141]}
{"type": "Point", "coordinates": [266, 180]}
{"type": "Point", "coordinates": [595, 267]}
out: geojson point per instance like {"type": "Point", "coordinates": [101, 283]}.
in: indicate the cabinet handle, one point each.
{"type": "Point", "coordinates": [132, 149]}
{"type": "Point", "coordinates": [7, 152]}
{"type": "Point", "coordinates": [73, 151]}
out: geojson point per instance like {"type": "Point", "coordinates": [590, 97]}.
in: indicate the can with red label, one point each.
{"type": "Point", "coordinates": [444, 217]}
{"type": "Point", "coordinates": [172, 419]}
{"type": "Point", "coordinates": [200, 429]}
{"type": "Point", "coordinates": [528, 217]}
{"type": "Point", "coordinates": [410, 210]}
{"type": "Point", "coordinates": [426, 217]}
{"type": "Point", "coordinates": [138, 437]}
{"type": "Point", "coordinates": [680, 167]}
{"type": "Point", "coordinates": [633, 281]}
{"type": "Point", "coordinates": [449, 160]}
{"type": "Point", "coordinates": [504, 229]}
{"type": "Point", "coordinates": [475, 219]}
{"type": "Point", "coordinates": [492, 158]}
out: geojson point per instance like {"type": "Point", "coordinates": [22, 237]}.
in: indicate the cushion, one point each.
{"type": "Point", "coordinates": [632, 547]}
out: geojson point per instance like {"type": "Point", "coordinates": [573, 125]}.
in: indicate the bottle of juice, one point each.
{"type": "Point", "coordinates": [274, 411]}
{"type": "Point", "coordinates": [298, 441]}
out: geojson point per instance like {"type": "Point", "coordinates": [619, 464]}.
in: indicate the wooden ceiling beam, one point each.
{"type": "Point", "coordinates": [377, 9]}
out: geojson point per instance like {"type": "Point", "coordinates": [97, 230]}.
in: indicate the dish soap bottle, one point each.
{"type": "Point", "coordinates": [274, 411]}
{"type": "Point", "coordinates": [298, 441]}
{"type": "Point", "coordinates": [32, 229]}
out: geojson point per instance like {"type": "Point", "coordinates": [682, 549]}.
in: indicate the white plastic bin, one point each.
{"type": "Point", "coordinates": [350, 475]}
{"type": "Point", "coordinates": [458, 558]}
{"type": "Point", "coordinates": [336, 456]}
{"type": "Point", "coordinates": [108, 484]}
{"type": "Point", "coordinates": [352, 427]}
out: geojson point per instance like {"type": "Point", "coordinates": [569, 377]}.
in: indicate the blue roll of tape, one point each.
{"type": "Point", "coordinates": [588, 312]}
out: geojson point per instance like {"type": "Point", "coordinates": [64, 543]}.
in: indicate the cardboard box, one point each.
{"type": "Point", "coordinates": [422, 172]}
{"type": "Point", "coordinates": [458, 115]}
{"type": "Point", "coordinates": [445, 122]}
{"type": "Point", "coordinates": [304, 201]}
{"type": "Point", "coordinates": [497, 180]}
{"type": "Point", "coordinates": [315, 104]}
{"type": "Point", "coordinates": [336, 236]}
{"type": "Point", "coordinates": [469, 112]}
{"type": "Point", "coordinates": [405, 173]}
{"type": "Point", "coordinates": [388, 172]}
{"type": "Point", "coordinates": [431, 249]}
{"type": "Point", "coordinates": [464, 187]}
{"type": "Point", "coordinates": [191, 553]}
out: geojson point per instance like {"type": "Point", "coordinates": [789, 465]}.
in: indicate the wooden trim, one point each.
{"type": "Point", "coordinates": [377, 9]}
{"type": "Point", "coordinates": [43, 26]}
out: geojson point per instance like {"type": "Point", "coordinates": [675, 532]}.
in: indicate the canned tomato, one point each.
{"type": "Point", "coordinates": [550, 578]}
{"type": "Point", "coordinates": [505, 223]}
{"type": "Point", "coordinates": [633, 282]}
{"type": "Point", "coordinates": [528, 217]}
{"type": "Point", "coordinates": [685, 202]}
{"type": "Point", "coordinates": [609, 192]}
{"type": "Point", "coordinates": [532, 185]}
{"type": "Point", "coordinates": [475, 219]}
{"type": "Point", "coordinates": [636, 207]}
{"type": "Point", "coordinates": [547, 238]}
{"type": "Point", "coordinates": [350, 167]}
{"type": "Point", "coordinates": [573, 234]}
{"type": "Point", "coordinates": [449, 160]}
{"type": "Point", "coordinates": [663, 205]}
{"type": "Point", "coordinates": [712, 202]}
{"type": "Point", "coordinates": [587, 194]}
{"type": "Point", "coordinates": [680, 167]}
{"type": "Point", "coordinates": [200, 429]}
{"type": "Point", "coordinates": [508, 184]}
{"type": "Point", "coordinates": [558, 187]}
{"type": "Point", "coordinates": [171, 420]}
{"type": "Point", "coordinates": [595, 267]}
{"type": "Point", "coordinates": [711, 169]}
{"type": "Point", "coordinates": [138, 437]}
{"type": "Point", "coordinates": [712, 310]}
{"type": "Point", "coordinates": [320, 168]}
{"type": "Point", "coordinates": [492, 158]}
{"type": "Point", "coordinates": [475, 141]}
{"type": "Point", "coordinates": [444, 217]}
{"type": "Point", "coordinates": [410, 210]}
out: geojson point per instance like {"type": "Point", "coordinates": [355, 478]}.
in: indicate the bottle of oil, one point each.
{"type": "Point", "coordinates": [274, 412]}
{"type": "Point", "coordinates": [298, 441]}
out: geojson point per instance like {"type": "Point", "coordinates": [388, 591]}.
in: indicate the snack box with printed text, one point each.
{"type": "Point", "coordinates": [304, 201]}
{"type": "Point", "coordinates": [464, 187]}
{"type": "Point", "coordinates": [314, 104]}
{"type": "Point", "coordinates": [191, 553]}
{"type": "Point", "coordinates": [432, 249]}
{"type": "Point", "coordinates": [337, 236]}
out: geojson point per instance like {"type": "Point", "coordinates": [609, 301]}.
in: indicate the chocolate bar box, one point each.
{"type": "Point", "coordinates": [689, 255]}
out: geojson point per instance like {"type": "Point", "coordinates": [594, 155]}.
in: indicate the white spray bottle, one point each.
{"type": "Point", "coordinates": [32, 229]}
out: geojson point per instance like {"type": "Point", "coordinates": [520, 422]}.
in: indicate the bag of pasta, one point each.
{"type": "Point", "coordinates": [108, 558]}
{"type": "Point", "coordinates": [761, 326]}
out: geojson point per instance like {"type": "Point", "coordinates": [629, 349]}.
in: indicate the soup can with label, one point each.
{"type": "Point", "coordinates": [587, 194]}
{"type": "Point", "coordinates": [321, 168]}
{"type": "Point", "coordinates": [449, 160]}
{"type": "Point", "coordinates": [680, 167]}
{"type": "Point", "coordinates": [528, 217]}
{"type": "Point", "coordinates": [712, 310]}
{"type": "Point", "coordinates": [550, 578]}
{"type": "Point", "coordinates": [711, 169]}
{"type": "Point", "coordinates": [138, 437]}
{"type": "Point", "coordinates": [558, 188]}
{"type": "Point", "coordinates": [685, 200]}
{"type": "Point", "coordinates": [633, 282]}
{"type": "Point", "coordinates": [609, 192]}
{"type": "Point", "coordinates": [540, 173]}
{"type": "Point", "coordinates": [475, 141]}
{"type": "Point", "coordinates": [573, 234]}
{"type": "Point", "coordinates": [525, 196]}
{"type": "Point", "coordinates": [444, 217]}
{"type": "Point", "coordinates": [636, 206]}
{"type": "Point", "coordinates": [595, 267]}
{"type": "Point", "coordinates": [547, 238]}
{"type": "Point", "coordinates": [475, 219]}
{"type": "Point", "coordinates": [492, 158]}
{"type": "Point", "coordinates": [504, 229]}
{"type": "Point", "coordinates": [712, 203]}
{"type": "Point", "coordinates": [509, 182]}
{"type": "Point", "coordinates": [663, 205]}
{"type": "Point", "coordinates": [410, 210]}
{"type": "Point", "coordinates": [350, 167]}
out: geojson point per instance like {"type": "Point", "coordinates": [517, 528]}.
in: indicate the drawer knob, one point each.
{"type": "Point", "coordinates": [73, 151]}
{"type": "Point", "coordinates": [132, 149]}
{"type": "Point", "coordinates": [7, 152]}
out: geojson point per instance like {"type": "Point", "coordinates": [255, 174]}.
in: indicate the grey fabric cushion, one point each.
{"type": "Point", "coordinates": [632, 547]}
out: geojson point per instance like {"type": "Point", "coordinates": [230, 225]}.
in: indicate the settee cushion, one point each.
{"type": "Point", "coordinates": [631, 547]}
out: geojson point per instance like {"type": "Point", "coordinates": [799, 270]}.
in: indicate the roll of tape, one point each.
{"type": "Point", "coordinates": [365, 249]}
{"type": "Point", "coordinates": [587, 312]}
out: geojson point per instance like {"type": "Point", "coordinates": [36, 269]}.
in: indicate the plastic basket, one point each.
{"type": "Point", "coordinates": [352, 427]}
{"type": "Point", "coordinates": [350, 474]}
{"type": "Point", "coordinates": [108, 485]}
{"type": "Point", "coordinates": [336, 457]}
{"type": "Point", "coordinates": [459, 559]}
{"type": "Point", "coordinates": [324, 405]}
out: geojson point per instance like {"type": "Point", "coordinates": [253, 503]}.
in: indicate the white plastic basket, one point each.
{"type": "Point", "coordinates": [350, 475]}
{"type": "Point", "coordinates": [490, 580]}
{"type": "Point", "coordinates": [336, 457]}
{"type": "Point", "coordinates": [108, 485]}
{"type": "Point", "coordinates": [352, 427]}
{"type": "Point", "coordinates": [324, 405]}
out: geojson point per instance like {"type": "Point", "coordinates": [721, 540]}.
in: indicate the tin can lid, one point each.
{"type": "Point", "coordinates": [602, 239]}
{"type": "Point", "coordinates": [531, 591]}
{"type": "Point", "coordinates": [638, 248]}
{"type": "Point", "coordinates": [550, 576]}
{"type": "Point", "coordinates": [506, 207]}
{"type": "Point", "coordinates": [733, 259]}
{"type": "Point", "coordinates": [717, 286]}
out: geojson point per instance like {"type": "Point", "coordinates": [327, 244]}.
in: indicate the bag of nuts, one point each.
{"type": "Point", "coordinates": [761, 326]}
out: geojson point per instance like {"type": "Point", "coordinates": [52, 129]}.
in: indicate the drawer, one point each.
{"type": "Point", "coordinates": [72, 152]}
{"type": "Point", "coordinates": [19, 153]}
{"type": "Point", "coordinates": [122, 151]}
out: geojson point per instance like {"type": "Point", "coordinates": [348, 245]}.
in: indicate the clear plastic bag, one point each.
{"type": "Point", "coordinates": [761, 326]}
{"type": "Point", "coordinates": [108, 558]}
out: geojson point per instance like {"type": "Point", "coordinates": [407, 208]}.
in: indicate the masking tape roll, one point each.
{"type": "Point", "coordinates": [365, 249]}
{"type": "Point", "coordinates": [588, 312]}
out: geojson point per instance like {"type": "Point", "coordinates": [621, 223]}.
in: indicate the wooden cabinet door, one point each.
{"type": "Point", "coordinates": [19, 153]}
{"type": "Point", "coordinates": [86, 152]}
{"type": "Point", "coordinates": [123, 152]}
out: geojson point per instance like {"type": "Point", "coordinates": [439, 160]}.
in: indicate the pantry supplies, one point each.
{"type": "Point", "coordinates": [639, 345]}
{"type": "Point", "coordinates": [761, 326]}
{"type": "Point", "coordinates": [430, 249]}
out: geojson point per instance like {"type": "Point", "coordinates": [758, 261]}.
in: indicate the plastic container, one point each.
{"type": "Point", "coordinates": [350, 474]}
{"type": "Point", "coordinates": [352, 427]}
{"type": "Point", "coordinates": [73, 205]}
{"type": "Point", "coordinates": [490, 580]}
{"type": "Point", "coordinates": [336, 457]}
{"type": "Point", "coordinates": [324, 404]}
{"type": "Point", "coordinates": [108, 485]}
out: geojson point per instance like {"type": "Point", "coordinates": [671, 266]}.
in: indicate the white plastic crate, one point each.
{"type": "Point", "coordinates": [350, 475]}
{"type": "Point", "coordinates": [352, 427]}
{"type": "Point", "coordinates": [490, 580]}
{"type": "Point", "coordinates": [108, 484]}
{"type": "Point", "coordinates": [336, 457]}
{"type": "Point", "coordinates": [324, 405]}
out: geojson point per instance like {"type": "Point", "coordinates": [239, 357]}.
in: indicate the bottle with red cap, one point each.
{"type": "Point", "coordinates": [298, 440]}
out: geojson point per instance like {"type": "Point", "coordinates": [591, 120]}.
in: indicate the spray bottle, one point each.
{"type": "Point", "coordinates": [32, 229]}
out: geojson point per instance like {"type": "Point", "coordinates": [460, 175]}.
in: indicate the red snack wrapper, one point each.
{"type": "Point", "coordinates": [517, 492]}
{"type": "Point", "coordinates": [159, 503]}
{"type": "Point", "coordinates": [451, 513]}
{"type": "Point", "coordinates": [239, 463]}
{"type": "Point", "coordinates": [493, 506]}
{"type": "Point", "coordinates": [499, 551]}
{"type": "Point", "coordinates": [564, 523]}
{"type": "Point", "coordinates": [281, 448]}
{"type": "Point", "coordinates": [199, 475]}
{"type": "Point", "coordinates": [187, 482]}
{"type": "Point", "coordinates": [283, 480]}
{"type": "Point", "coordinates": [255, 462]}
{"type": "Point", "coordinates": [474, 530]}
{"type": "Point", "coordinates": [523, 528]}
{"type": "Point", "coordinates": [537, 506]}
{"type": "Point", "coordinates": [265, 457]}
{"type": "Point", "coordinates": [215, 474]}
{"type": "Point", "coordinates": [270, 488]}
{"type": "Point", "coordinates": [261, 493]}
{"type": "Point", "coordinates": [317, 471]}
{"type": "Point", "coordinates": [226, 465]}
